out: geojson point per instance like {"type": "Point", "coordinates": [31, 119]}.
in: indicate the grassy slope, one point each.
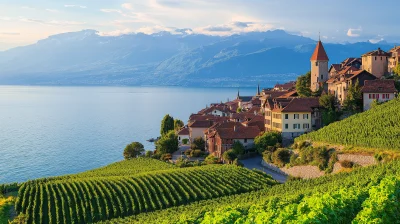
{"type": "Point", "coordinates": [375, 129]}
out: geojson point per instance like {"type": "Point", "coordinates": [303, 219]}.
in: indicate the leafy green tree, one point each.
{"type": "Point", "coordinates": [198, 143]}
{"type": "Point", "coordinates": [396, 70]}
{"type": "Point", "coordinates": [168, 143]}
{"type": "Point", "coordinates": [149, 153]}
{"type": "Point", "coordinates": [229, 156]}
{"type": "Point", "coordinates": [238, 148]}
{"type": "Point", "coordinates": [267, 140]}
{"type": "Point", "coordinates": [303, 85]}
{"type": "Point", "coordinates": [167, 124]}
{"type": "Point", "coordinates": [178, 124]}
{"type": "Point", "coordinates": [329, 114]}
{"type": "Point", "coordinates": [353, 101]}
{"type": "Point", "coordinates": [281, 156]}
{"type": "Point", "coordinates": [238, 110]}
{"type": "Point", "coordinates": [396, 77]}
{"type": "Point", "coordinates": [210, 159]}
{"type": "Point", "coordinates": [133, 150]}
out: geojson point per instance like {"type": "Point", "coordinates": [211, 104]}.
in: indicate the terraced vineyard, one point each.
{"type": "Point", "coordinates": [95, 196]}
{"type": "Point", "coordinates": [361, 196]}
{"type": "Point", "coordinates": [378, 127]}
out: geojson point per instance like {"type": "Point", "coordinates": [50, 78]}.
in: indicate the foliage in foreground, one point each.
{"type": "Point", "coordinates": [92, 199]}
{"type": "Point", "coordinates": [378, 127]}
{"type": "Point", "coordinates": [358, 188]}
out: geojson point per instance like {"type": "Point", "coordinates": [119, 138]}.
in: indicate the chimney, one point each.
{"type": "Point", "coordinates": [234, 128]}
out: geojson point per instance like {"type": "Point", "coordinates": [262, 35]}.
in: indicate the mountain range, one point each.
{"type": "Point", "coordinates": [87, 58]}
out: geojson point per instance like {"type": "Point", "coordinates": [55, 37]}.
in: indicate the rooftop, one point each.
{"type": "Point", "coordinates": [319, 53]}
{"type": "Point", "coordinates": [379, 86]}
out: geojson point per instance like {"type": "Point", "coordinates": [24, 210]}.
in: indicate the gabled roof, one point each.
{"type": "Point", "coordinates": [299, 105]}
{"type": "Point", "coordinates": [239, 131]}
{"type": "Point", "coordinates": [245, 98]}
{"type": "Point", "coordinates": [378, 52]}
{"type": "Point", "coordinates": [184, 131]}
{"type": "Point", "coordinates": [335, 66]}
{"type": "Point", "coordinates": [285, 86]}
{"type": "Point", "coordinates": [379, 86]}
{"type": "Point", "coordinates": [201, 124]}
{"type": "Point", "coordinates": [289, 95]}
{"type": "Point", "coordinates": [273, 93]}
{"type": "Point", "coordinates": [355, 74]}
{"type": "Point", "coordinates": [319, 53]}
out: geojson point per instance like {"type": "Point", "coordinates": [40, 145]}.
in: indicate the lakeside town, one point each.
{"type": "Point", "coordinates": [324, 95]}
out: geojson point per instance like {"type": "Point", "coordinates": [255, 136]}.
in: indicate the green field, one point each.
{"type": "Point", "coordinates": [363, 195]}
{"type": "Point", "coordinates": [377, 128]}
{"type": "Point", "coordinates": [118, 191]}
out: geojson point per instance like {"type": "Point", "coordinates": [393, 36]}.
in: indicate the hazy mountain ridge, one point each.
{"type": "Point", "coordinates": [86, 58]}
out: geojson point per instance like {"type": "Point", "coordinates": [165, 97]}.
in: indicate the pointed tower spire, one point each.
{"type": "Point", "coordinates": [238, 96]}
{"type": "Point", "coordinates": [258, 89]}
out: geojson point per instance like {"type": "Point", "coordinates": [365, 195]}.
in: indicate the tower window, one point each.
{"type": "Point", "coordinates": [322, 77]}
{"type": "Point", "coordinates": [316, 63]}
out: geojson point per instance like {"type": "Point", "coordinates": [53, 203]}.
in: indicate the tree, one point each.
{"type": "Point", "coordinates": [236, 162]}
{"type": "Point", "coordinates": [198, 143]}
{"type": "Point", "coordinates": [329, 113]}
{"type": "Point", "coordinates": [133, 150]}
{"type": "Point", "coordinates": [238, 148]}
{"type": "Point", "coordinates": [327, 101]}
{"type": "Point", "coordinates": [268, 139]}
{"type": "Point", "coordinates": [303, 85]}
{"type": "Point", "coordinates": [167, 124]}
{"type": "Point", "coordinates": [238, 110]}
{"type": "Point", "coordinates": [353, 101]}
{"type": "Point", "coordinates": [210, 159]}
{"type": "Point", "coordinates": [396, 77]}
{"type": "Point", "coordinates": [149, 153]}
{"type": "Point", "coordinates": [178, 124]}
{"type": "Point", "coordinates": [229, 156]}
{"type": "Point", "coordinates": [396, 70]}
{"type": "Point", "coordinates": [168, 143]}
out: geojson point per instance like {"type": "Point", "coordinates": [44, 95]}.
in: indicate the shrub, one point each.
{"type": "Point", "coordinates": [229, 156]}
{"type": "Point", "coordinates": [185, 141]}
{"type": "Point", "coordinates": [281, 156]}
{"type": "Point", "coordinates": [267, 156]}
{"type": "Point", "coordinates": [346, 164]}
{"type": "Point", "coordinates": [188, 152]}
{"type": "Point", "coordinates": [198, 143]}
{"type": "Point", "coordinates": [166, 156]}
{"type": "Point", "coordinates": [211, 159]}
{"type": "Point", "coordinates": [196, 153]}
{"type": "Point", "coordinates": [149, 153]}
{"type": "Point", "coordinates": [293, 159]}
{"type": "Point", "coordinates": [270, 138]}
{"type": "Point", "coordinates": [236, 162]}
{"type": "Point", "coordinates": [238, 148]}
{"type": "Point", "coordinates": [133, 150]}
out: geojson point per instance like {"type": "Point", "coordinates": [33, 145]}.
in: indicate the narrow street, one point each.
{"type": "Point", "coordinates": [255, 162]}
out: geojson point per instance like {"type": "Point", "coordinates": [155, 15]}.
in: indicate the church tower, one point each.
{"type": "Point", "coordinates": [319, 67]}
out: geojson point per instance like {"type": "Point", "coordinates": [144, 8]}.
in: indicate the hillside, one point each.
{"type": "Point", "coordinates": [377, 128]}
{"type": "Point", "coordinates": [87, 58]}
{"type": "Point", "coordinates": [106, 193]}
{"type": "Point", "coordinates": [340, 198]}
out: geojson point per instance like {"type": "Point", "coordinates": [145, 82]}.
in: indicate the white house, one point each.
{"type": "Point", "coordinates": [197, 128]}
{"type": "Point", "coordinates": [379, 90]}
{"type": "Point", "coordinates": [183, 134]}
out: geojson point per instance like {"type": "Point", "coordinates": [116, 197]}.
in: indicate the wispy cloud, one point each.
{"type": "Point", "coordinates": [354, 32]}
{"type": "Point", "coordinates": [127, 6]}
{"type": "Point", "coordinates": [75, 6]}
{"type": "Point", "coordinates": [9, 33]}
{"type": "Point", "coordinates": [52, 22]}
{"type": "Point", "coordinates": [27, 7]}
{"type": "Point", "coordinates": [111, 11]}
{"type": "Point", "coordinates": [52, 10]}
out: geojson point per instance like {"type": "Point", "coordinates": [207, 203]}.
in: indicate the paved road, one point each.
{"type": "Point", "coordinates": [255, 162]}
{"type": "Point", "coordinates": [180, 151]}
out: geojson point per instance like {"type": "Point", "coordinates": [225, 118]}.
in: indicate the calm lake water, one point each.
{"type": "Point", "coordinates": [50, 131]}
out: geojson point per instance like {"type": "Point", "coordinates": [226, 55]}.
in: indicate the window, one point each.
{"type": "Point", "coordinates": [322, 77]}
{"type": "Point", "coordinates": [245, 140]}
{"type": "Point", "coordinates": [286, 116]}
{"type": "Point", "coordinates": [306, 126]}
{"type": "Point", "coordinates": [370, 96]}
{"type": "Point", "coordinates": [377, 96]}
{"type": "Point", "coordinates": [179, 138]}
{"type": "Point", "coordinates": [286, 126]}
{"type": "Point", "coordinates": [375, 58]}
{"type": "Point", "coordinates": [316, 63]}
{"type": "Point", "coordinates": [305, 116]}
{"type": "Point", "coordinates": [296, 126]}
{"type": "Point", "coordinates": [383, 96]}
{"type": "Point", "coordinates": [296, 116]}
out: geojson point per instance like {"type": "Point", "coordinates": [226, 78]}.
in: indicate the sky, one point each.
{"type": "Point", "coordinates": [24, 22]}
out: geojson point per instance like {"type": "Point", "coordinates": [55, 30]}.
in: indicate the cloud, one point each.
{"type": "Point", "coordinates": [52, 22]}
{"type": "Point", "coordinates": [222, 28]}
{"type": "Point", "coordinates": [377, 39]}
{"type": "Point", "coordinates": [27, 7]}
{"type": "Point", "coordinates": [352, 32]}
{"type": "Point", "coordinates": [5, 18]}
{"type": "Point", "coordinates": [75, 6]}
{"type": "Point", "coordinates": [111, 11]}
{"type": "Point", "coordinates": [10, 33]}
{"type": "Point", "coordinates": [115, 32]}
{"type": "Point", "coordinates": [127, 6]}
{"type": "Point", "coordinates": [242, 24]}
{"type": "Point", "coordinates": [52, 10]}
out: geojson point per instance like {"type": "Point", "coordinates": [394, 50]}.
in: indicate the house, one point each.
{"type": "Point", "coordinates": [220, 110]}
{"type": "Point", "coordinates": [376, 62]}
{"type": "Point", "coordinates": [224, 136]}
{"type": "Point", "coordinates": [183, 134]}
{"type": "Point", "coordinates": [379, 90]}
{"type": "Point", "coordinates": [393, 59]}
{"type": "Point", "coordinates": [339, 84]}
{"type": "Point", "coordinates": [319, 67]}
{"type": "Point", "coordinates": [197, 128]}
{"type": "Point", "coordinates": [296, 117]}
{"type": "Point", "coordinates": [268, 106]}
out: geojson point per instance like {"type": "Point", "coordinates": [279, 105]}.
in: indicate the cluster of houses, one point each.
{"type": "Point", "coordinates": [281, 109]}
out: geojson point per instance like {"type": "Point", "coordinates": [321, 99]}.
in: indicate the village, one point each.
{"type": "Point", "coordinates": [285, 110]}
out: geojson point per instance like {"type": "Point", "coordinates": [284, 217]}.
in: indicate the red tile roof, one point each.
{"type": "Point", "coordinates": [379, 86]}
{"type": "Point", "coordinates": [378, 52]}
{"type": "Point", "coordinates": [239, 131]}
{"type": "Point", "coordinates": [319, 53]}
{"type": "Point", "coordinates": [299, 105]}
{"type": "Point", "coordinates": [201, 124]}
{"type": "Point", "coordinates": [289, 94]}
{"type": "Point", "coordinates": [184, 131]}
{"type": "Point", "coordinates": [286, 86]}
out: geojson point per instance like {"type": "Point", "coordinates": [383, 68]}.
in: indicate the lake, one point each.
{"type": "Point", "coordinates": [50, 131]}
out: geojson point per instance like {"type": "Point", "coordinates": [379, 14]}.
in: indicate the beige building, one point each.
{"type": "Point", "coordinates": [294, 118]}
{"type": "Point", "coordinates": [393, 59]}
{"type": "Point", "coordinates": [197, 128]}
{"type": "Point", "coordinates": [319, 67]}
{"type": "Point", "coordinates": [376, 62]}
{"type": "Point", "coordinates": [379, 90]}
